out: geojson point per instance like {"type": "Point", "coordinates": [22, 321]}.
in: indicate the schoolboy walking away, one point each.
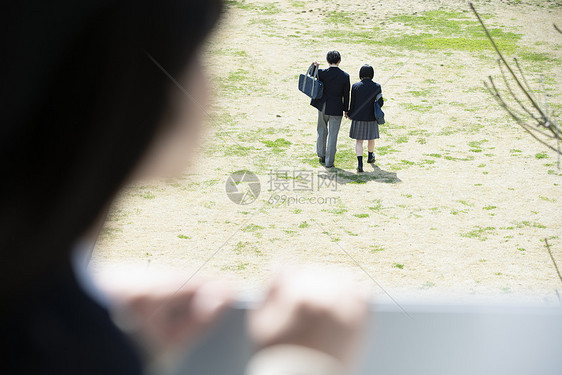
{"type": "Point", "coordinates": [331, 107]}
{"type": "Point", "coordinates": [363, 123]}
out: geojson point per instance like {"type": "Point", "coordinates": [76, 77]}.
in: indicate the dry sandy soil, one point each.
{"type": "Point", "coordinates": [458, 204]}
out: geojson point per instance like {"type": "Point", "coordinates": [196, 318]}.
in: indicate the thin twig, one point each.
{"type": "Point", "coordinates": [557, 29]}
{"type": "Point", "coordinates": [546, 109]}
{"type": "Point", "coordinates": [514, 113]}
{"type": "Point", "coordinates": [557, 132]}
{"type": "Point", "coordinates": [519, 122]}
{"type": "Point", "coordinates": [513, 94]}
{"type": "Point", "coordinates": [523, 78]}
{"type": "Point", "coordinates": [552, 257]}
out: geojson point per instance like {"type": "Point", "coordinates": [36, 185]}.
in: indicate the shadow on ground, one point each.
{"type": "Point", "coordinates": [372, 172]}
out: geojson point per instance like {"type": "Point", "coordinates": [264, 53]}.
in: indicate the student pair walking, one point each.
{"type": "Point", "coordinates": [335, 103]}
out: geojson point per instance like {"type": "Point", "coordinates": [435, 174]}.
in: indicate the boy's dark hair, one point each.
{"type": "Point", "coordinates": [366, 71]}
{"type": "Point", "coordinates": [333, 57]}
{"type": "Point", "coordinates": [80, 106]}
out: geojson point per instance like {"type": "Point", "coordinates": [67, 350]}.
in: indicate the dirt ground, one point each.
{"type": "Point", "coordinates": [460, 199]}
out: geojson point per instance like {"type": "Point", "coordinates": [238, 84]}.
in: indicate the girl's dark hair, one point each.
{"type": "Point", "coordinates": [366, 71]}
{"type": "Point", "coordinates": [80, 103]}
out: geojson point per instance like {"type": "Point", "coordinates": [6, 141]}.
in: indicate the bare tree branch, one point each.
{"type": "Point", "coordinates": [537, 119]}
{"type": "Point", "coordinates": [494, 92]}
{"type": "Point", "coordinates": [505, 62]}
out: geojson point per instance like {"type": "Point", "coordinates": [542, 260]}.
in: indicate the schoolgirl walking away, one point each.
{"type": "Point", "coordinates": [363, 123]}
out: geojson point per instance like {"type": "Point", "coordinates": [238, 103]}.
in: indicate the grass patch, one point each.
{"type": "Point", "coordinates": [312, 161]}
{"type": "Point", "coordinates": [237, 150]}
{"type": "Point", "coordinates": [479, 233]}
{"type": "Point", "coordinates": [431, 30]}
{"type": "Point", "coordinates": [426, 41]}
{"type": "Point", "coordinates": [303, 225]}
{"type": "Point", "coordinates": [443, 30]}
{"type": "Point", "coordinates": [298, 4]}
{"type": "Point", "coordinates": [376, 249]}
{"type": "Point", "coordinates": [234, 79]}
{"type": "Point", "coordinates": [384, 150]}
{"type": "Point", "coordinates": [346, 159]}
{"type": "Point", "coordinates": [240, 82]}
{"type": "Point", "coordinates": [529, 224]}
{"type": "Point", "coordinates": [453, 158]}
{"type": "Point", "coordinates": [277, 146]}
{"type": "Point", "coordinates": [146, 195]}
{"type": "Point", "coordinates": [246, 247]}
{"type": "Point", "coordinates": [418, 93]}
{"type": "Point", "coordinates": [252, 228]}
{"type": "Point", "coordinates": [336, 211]}
{"type": "Point", "coordinates": [541, 155]}
{"type": "Point", "coordinates": [456, 212]}
{"type": "Point", "coordinates": [402, 139]}
{"type": "Point", "coordinates": [268, 8]}
{"type": "Point", "coordinates": [339, 18]}
{"type": "Point", "coordinates": [415, 107]}
{"type": "Point", "coordinates": [361, 216]}
{"type": "Point", "coordinates": [476, 146]}
{"type": "Point", "coordinates": [354, 37]}
{"type": "Point", "coordinates": [537, 57]}
{"type": "Point", "coordinates": [377, 206]}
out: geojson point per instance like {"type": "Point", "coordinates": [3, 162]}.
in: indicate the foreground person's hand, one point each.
{"type": "Point", "coordinates": [162, 314]}
{"type": "Point", "coordinates": [312, 315]}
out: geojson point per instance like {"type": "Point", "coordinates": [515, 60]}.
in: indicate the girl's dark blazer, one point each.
{"type": "Point", "coordinates": [336, 91]}
{"type": "Point", "coordinates": [363, 100]}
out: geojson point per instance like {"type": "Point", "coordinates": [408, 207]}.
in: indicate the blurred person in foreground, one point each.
{"type": "Point", "coordinates": [86, 109]}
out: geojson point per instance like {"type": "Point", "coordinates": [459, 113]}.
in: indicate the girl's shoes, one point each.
{"type": "Point", "coordinates": [360, 164]}
{"type": "Point", "coordinates": [371, 158]}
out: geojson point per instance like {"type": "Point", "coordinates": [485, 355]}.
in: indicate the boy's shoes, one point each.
{"type": "Point", "coordinates": [321, 160]}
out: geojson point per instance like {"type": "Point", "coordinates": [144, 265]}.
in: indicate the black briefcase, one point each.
{"type": "Point", "coordinates": [309, 83]}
